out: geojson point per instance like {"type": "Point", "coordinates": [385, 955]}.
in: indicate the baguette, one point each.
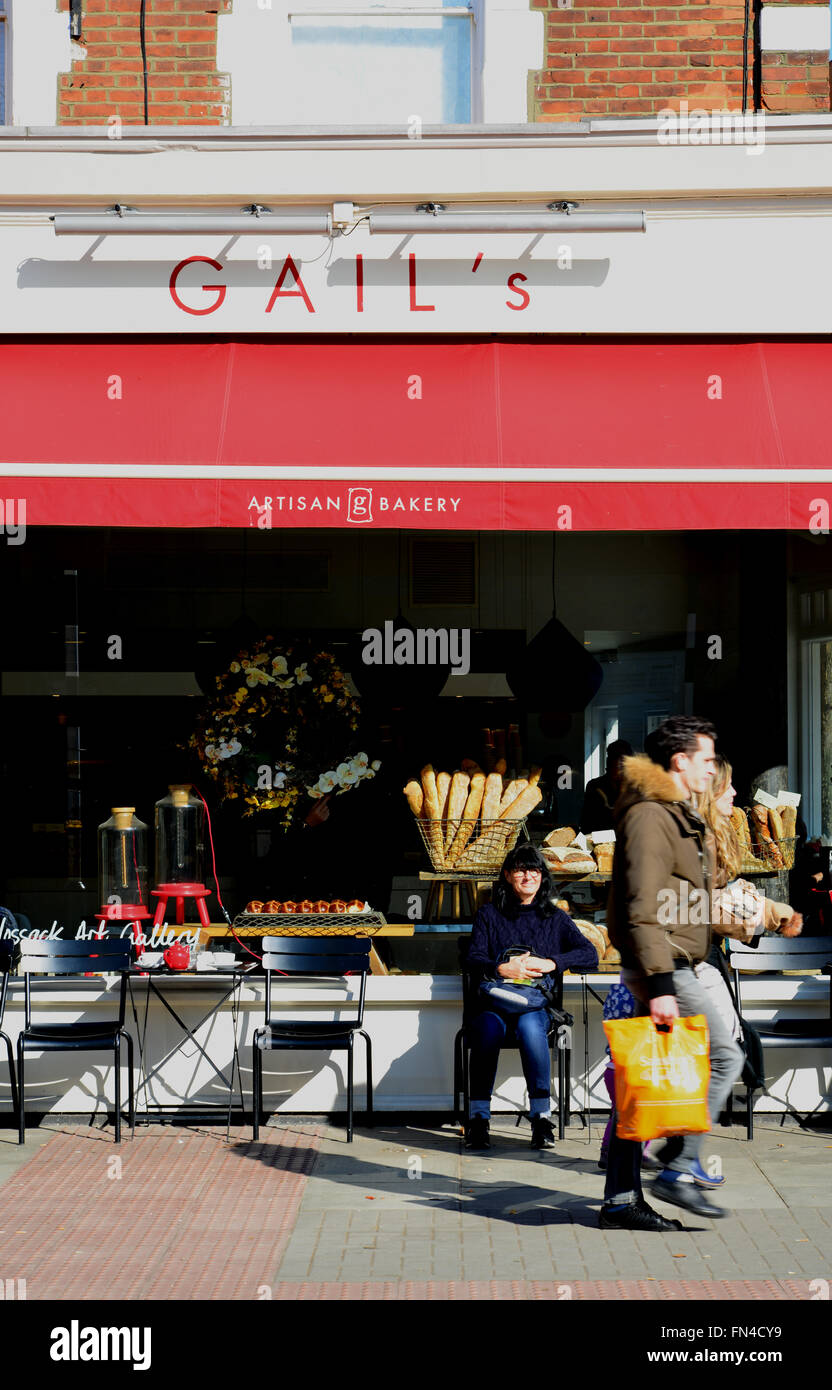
{"type": "Point", "coordinates": [487, 850]}
{"type": "Point", "coordinates": [492, 797]}
{"type": "Point", "coordinates": [762, 837]}
{"type": "Point", "coordinates": [470, 815]}
{"type": "Point", "coordinates": [415, 797]}
{"type": "Point", "coordinates": [500, 766]}
{"type": "Point", "coordinates": [513, 789]}
{"type": "Point", "coordinates": [432, 817]}
{"type": "Point", "coordinates": [788, 815]}
{"type": "Point", "coordinates": [457, 797]}
{"type": "Point", "coordinates": [443, 791]}
{"type": "Point", "coordinates": [534, 776]}
{"type": "Point", "coordinates": [522, 804]}
{"type": "Point", "coordinates": [740, 824]}
{"type": "Point", "coordinates": [775, 825]}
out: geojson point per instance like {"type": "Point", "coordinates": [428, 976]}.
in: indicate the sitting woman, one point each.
{"type": "Point", "coordinates": [520, 936]}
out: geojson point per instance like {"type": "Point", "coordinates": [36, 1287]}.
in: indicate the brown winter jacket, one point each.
{"type": "Point", "coordinates": [659, 912]}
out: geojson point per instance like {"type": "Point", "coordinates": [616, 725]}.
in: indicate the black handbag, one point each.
{"type": "Point", "coordinates": [753, 1075]}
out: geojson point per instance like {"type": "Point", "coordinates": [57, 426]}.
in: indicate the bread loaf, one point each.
{"type": "Point", "coordinates": [523, 804]}
{"type": "Point", "coordinates": [492, 797]}
{"type": "Point", "coordinates": [788, 816]}
{"type": "Point", "coordinates": [592, 934]}
{"type": "Point", "coordinates": [415, 797]}
{"type": "Point", "coordinates": [432, 816]}
{"type": "Point", "coordinates": [604, 856]}
{"type": "Point", "coordinates": [612, 957]}
{"type": "Point", "coordinates": [443, 790]}
{"type": "Point", "coordinates": [761, 835]}
{"type": "Point", "coordinates": [470, 814]}
{"type": "Point", "coordinates": [564, 836]}
{"type": "Point", "coordinates": [457, 797]}
{"type": "Point", "coordinates": [512, 790]}
{"type": "Point", "coordinates": [740, 824]}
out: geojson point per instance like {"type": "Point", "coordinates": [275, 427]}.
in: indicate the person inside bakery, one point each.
{"type": "Point", "coordinates": [518, 938]}
{"type": "Point", "coordinates": [602, 792]}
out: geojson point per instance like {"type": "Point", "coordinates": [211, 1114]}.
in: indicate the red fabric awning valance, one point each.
{"type": "Point", "coordinates": [531, 435]}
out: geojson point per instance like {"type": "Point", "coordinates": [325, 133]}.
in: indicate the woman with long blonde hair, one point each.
{"type": "Point", "coordinates": [739, 909]}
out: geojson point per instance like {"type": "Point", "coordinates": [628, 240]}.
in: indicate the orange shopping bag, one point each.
{"type": "Point", "coordinates": [661, 1079]}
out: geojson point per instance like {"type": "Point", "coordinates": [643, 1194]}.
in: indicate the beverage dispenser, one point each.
{"type": "Point", "coordinates": [122, 867]}
{"type": "Point", "coordinates": [180, 853]}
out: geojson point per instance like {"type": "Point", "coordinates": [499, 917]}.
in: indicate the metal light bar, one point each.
{"type": "Point", "coordinates": [147, 224]}
{"type": "Point", "coordinates": [403, 222]}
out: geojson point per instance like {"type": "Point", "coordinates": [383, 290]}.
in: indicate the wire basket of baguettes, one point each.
{"type": "Point", "coordinates": [767, 837]}
{"type": "Point", "coordinates": [468, 820]}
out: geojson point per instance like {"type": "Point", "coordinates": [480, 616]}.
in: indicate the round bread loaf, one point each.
{"type": "Point", "coordinates": [593, 934]}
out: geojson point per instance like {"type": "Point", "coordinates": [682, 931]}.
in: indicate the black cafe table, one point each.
{"type": "Point", "coordinates": [228, 982]}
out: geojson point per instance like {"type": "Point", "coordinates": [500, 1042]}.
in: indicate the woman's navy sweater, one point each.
{"type": "Point", "coordinates": [552, 938]}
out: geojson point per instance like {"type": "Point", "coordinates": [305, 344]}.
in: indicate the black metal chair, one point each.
{"type": "Point", "coordinates": [560, 1041]}
{"type": "Point", "coordinates": [777, 953]}
{"type": "Point", "coordinates": [322, 956]}
{"type": "Point", "coordinates": [8, 953]}
{"type": "Point", "coordinates": [107, 956]}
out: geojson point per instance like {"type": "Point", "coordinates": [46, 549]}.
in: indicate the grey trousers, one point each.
{"type": "Point", "coordinates": [726, 1054]}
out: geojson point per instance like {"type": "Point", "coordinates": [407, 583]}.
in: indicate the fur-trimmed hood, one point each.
{"type": "Point", "coordinates": [644, 780]}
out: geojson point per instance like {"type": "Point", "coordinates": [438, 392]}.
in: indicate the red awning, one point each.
{"type": "Point", "coordinates": [532, 435]}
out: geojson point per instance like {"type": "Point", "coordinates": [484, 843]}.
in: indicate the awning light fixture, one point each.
{"type": "Point", "coordinates": [256, 218]}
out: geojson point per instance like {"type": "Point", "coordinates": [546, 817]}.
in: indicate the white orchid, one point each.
{"type": "Point", "coordinates": [280, 666]}
{"type": "Point", "coordinates": [302, 674]}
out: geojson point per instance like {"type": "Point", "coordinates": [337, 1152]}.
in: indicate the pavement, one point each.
{"type": "Point", "coordinates": [196, 1212]}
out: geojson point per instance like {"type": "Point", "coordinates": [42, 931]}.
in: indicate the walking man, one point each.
{"type": "Point", "coordinates": [659, 919]}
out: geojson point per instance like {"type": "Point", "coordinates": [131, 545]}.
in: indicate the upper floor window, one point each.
{"type": "Point", "coordinates": [355, 64]}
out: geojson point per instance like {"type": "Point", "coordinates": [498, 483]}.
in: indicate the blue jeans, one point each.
{"type": "Point", "coordinates": [624, 1157]}
{"type": "Point", "coordinates": [487, 1033]}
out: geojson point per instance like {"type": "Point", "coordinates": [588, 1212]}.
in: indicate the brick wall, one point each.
{"type": "Point", "coordinates": [794, 82]}
{"type": "Point", "coordinates": [633, 59]}
{"type": "Point", "coordinates": [184, 87]}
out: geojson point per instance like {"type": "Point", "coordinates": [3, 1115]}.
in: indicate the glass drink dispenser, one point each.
{"type": "Point", "coordinates": [122, 866]}
{"type": "Point", "coordinates": [180, 838]}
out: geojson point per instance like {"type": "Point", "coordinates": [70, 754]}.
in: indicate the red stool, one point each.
{"type": "Point", "coordinates": [181, 891]}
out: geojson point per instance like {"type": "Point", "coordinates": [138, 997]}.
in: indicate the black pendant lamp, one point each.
{"type": "Point", "coordinates": [555, 673]}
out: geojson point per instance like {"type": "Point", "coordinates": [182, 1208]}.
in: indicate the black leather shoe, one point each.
{"type": "Point", "coordinates": [543, 1133]}
{"type": "Point", "coordinates": [688, 1196]}
{"type": "Point", "coordinates": [476, 1134]}
{"type": "Point", "coordinates": [635, 1217]}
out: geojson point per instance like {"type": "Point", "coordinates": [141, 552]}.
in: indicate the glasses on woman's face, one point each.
{"type": "Point", "coordinates": [525, 873]}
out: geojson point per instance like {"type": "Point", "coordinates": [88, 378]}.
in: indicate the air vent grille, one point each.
{"type": "Point", "coordinates": [443, 572]}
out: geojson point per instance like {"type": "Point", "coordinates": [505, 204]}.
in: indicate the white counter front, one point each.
{"type": "Point", "coordinates": [411, 1019]}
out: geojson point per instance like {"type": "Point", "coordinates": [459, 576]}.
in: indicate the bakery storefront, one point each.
{"type": "Point", "coordinates": [458, 619]}
{"type": "Point", "coordinates": [290, 521]}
